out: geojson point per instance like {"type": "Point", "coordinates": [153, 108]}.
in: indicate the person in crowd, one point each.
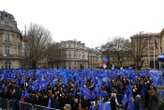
{"type": "Point", "coordinates": [114, 101]}
{"type": "Point", "coordinates": [84, 105]}
{"type": "Point", "coordinates": [67, 107]}
{"type": "Point", "coordinates": [67, 95]}
{"type": "Point", "coordinates": [153, 99]}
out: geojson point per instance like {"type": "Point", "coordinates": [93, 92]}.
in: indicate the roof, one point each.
{"type": "Point", "coordinates": [145, 35]}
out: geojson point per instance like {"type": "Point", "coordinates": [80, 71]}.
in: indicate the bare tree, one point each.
{"type": "Point", "coordinates": [117, 48]}
{"type": "Point", "coordinates": [118, 43]}
{"type": "Point", "coordinates": [37, 41]}
{"type": "Point", "coordinates": [53, 53]}
{"type": "Point", "coordinates": [138, 46]}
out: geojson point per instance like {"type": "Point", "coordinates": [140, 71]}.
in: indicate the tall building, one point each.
{"type": "Point", "coordinates": [146, 48]}
{"type": "Point", "coordinates": [11, 51]}
{"type": "Point", "coordinates": [70, 54]}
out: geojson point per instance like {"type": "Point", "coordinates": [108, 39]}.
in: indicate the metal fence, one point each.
{"type": "Point", "coordinates": [6, 104]}
{"type": "Point", "coordinates": [161, 94]}
{"type": "Point", "coordinates": [13, 104]}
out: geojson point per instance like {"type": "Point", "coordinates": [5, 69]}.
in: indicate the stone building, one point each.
{"type": "Point", "coordinates": [69, 54]}
{"type": "Point", "coordinates": [146, 48]}
{"type": "Point", "coordinates": [161, 62]}
{"type": "Point", "coordinates": [161, 43]}
{"type": "Point", "coordinates": [94, 58]}
{"type": "Point", "coordinates": [11, 52]}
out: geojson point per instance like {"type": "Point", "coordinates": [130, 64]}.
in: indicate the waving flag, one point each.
{"type": "Point", "coordinates": [104, 106]}
{"type": "Point", "coordinates": [144, 90]}
{"type": "Point", "coordinates": [125, 100]}
{"type": "Point", "coordinates": [131, 105]}
{"type": "Point", "coordinates": [49, 102]}
{"type": "Point", "coordinates": [85, 92]}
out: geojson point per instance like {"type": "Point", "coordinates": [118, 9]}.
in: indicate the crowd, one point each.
{"type": "Point", "coordinates": [82, 89]}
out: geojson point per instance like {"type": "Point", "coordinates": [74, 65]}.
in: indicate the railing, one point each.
{"type": "Point", "coordinates": [14, 104]}
{"type": "Point", "coordinates": [4, 104]}
{"type": "Point", "coordinates": [26, 106]}
{"type": "Point", "coordinates": [161, 93]}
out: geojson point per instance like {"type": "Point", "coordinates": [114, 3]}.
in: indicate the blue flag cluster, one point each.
{"type": "Point", "coordinates": [45, 77]}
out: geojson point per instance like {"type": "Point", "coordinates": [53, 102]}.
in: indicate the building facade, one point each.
{"type": "Point", "coordinates": [146, 48]}
{"type": "Point", "coordinates": [11, 52]}
{"type": "Point", "coordinates": [95, 58]}
{"type": "Point", "coordinates": [162, 41]}
{"type": "Point", "coordinates": [70, 54]}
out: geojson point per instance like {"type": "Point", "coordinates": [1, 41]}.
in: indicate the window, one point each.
{"type": "Point", "coordinates": [19, 49]}
{"type": "Point", "coordinates": [7, 50]}
{"type": "Point", "coordinates": [69, 45]}
{"type": "Point", "coordinates": [8, 64]}
{"type": "Point", "coordinates": [75, 54]}
{"type": "Point", "coordinates": [83, 56]}
{"type": "Point", "coordinates": [69, 54]}
{"type": "Point", "coordinates": [7, 37]}
{"type": "Point", "coordinates": [66, 45]}
{"type": "Point", "coordinates": [97, 59]}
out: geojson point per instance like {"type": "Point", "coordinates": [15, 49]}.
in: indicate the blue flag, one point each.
{"type": "Point", "coordinates": [131, 105]}
{"type": "Point", "coordinates": [49, 102]}
{"type": "Point", "coordinates": [86, 92]}
{"type": "Point", "coordinates": [104, 106]}
{"type": "Point", "coordinates": [144, 90]}
{"type": "Point", "coordinates": [25, 93]}
{"type": "Point", "coordinates": [125, 100]}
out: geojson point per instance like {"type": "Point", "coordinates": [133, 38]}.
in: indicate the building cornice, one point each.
{"type": "Point", "coordinates": [9, 30]}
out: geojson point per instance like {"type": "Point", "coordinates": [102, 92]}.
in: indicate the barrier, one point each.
{"type": "Point", "coordinates": [160, 90]}
{"type": "Point", "coordinates": [39, 107]}
{"type": "Point", "coordinates": [4, 104]}
{"type": "Point", "coordinates": [14, 104]}
{"type": "Point", "coordinates": [25, 106]}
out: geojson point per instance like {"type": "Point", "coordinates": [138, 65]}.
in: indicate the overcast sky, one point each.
{"type": "Point", "coordinates": [93, 22]}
